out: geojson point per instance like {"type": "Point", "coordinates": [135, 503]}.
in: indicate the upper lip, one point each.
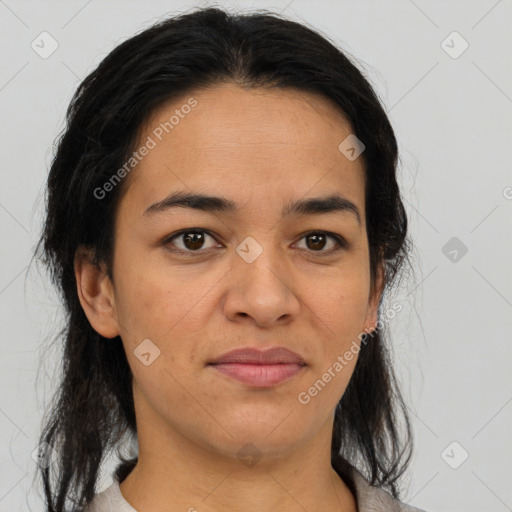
{"type": "Point", "coordinates": [256, 356]}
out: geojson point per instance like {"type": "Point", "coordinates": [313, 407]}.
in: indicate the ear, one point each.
{"type": "Point", "coordinates": [96, 294]}
{"type": "Point", "coordinates": [372, 311]}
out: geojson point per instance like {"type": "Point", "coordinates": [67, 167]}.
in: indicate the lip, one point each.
{"type": "Point", "coordinates": [259, 368]}
{"type": "Point", "coordinates": [273, 355]}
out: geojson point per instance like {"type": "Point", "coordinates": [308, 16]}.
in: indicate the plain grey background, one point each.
{"type": "Point", "coordinates": [449, 98]}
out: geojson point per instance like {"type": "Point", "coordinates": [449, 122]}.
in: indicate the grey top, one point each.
{"type": "Point", "coordinates": [368, 498]}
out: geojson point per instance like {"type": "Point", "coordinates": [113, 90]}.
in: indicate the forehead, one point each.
{"type": "Point", "coordinates": [228, 113]}
{"type": "Point", "coordinates": [245, 141]}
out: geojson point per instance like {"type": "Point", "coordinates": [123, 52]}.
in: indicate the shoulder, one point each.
{"type": "Point", "coordinates": [110, 500]}
{"type": "Point", "coordinates": [374, 499]}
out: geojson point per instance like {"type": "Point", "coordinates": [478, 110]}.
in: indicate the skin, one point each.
{"type": "Point", "coordinates": [260, 148]}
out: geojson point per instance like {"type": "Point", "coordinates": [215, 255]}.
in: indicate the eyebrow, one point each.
{"type": "Point", "coordinates": [206, 203]}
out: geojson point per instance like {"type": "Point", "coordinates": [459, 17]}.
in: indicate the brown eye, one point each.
{"type": "Point", "coordinates": [316, 241]}
{"type": "Point", "coordinates": [191, 240]}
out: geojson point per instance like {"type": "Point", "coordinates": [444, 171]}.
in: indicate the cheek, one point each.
{"type": "Point", "coordinates": [169, 311]}
{"type": "Point", "coordinates": [139, 306]}
{"type": "Point", "coordinates": [341, 306]}
{"type": "Point", "coordinates": [342, 309]}
{"type": "Point", "coordinates": [150, 302]}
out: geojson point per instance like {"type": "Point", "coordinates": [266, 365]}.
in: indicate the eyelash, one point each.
{"type": "Point", "coordinates": [342, 243]}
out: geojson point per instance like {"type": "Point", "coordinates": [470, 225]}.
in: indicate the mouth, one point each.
{"type": "Point", "coordinates": [258, 368]}
{"type": "Point", "coordinates": [259, 375]}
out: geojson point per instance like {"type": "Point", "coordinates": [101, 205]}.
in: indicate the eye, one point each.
{"type": "Point", "coordinates": [317, 240]}
{"type": "Point", "coordinates": [192, 240]}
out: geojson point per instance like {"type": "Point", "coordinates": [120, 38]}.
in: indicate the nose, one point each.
{"type": "Point", "coordinates": [262, 290]}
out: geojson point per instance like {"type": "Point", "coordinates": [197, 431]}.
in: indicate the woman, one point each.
{"type": "Point", "coordinates": [223, 219]}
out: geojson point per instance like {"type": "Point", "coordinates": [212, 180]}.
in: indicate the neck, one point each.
{"type": "Point", "coordinates": [174, 473]}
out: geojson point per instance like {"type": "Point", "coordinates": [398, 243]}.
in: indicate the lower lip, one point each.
{"type": "Point", "coordinates": [259, 375]}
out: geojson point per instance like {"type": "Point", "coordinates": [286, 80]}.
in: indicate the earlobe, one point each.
{"type": "Point", "coordinates": [96, 294]}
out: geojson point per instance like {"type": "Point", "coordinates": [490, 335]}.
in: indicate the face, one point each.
{"type": "Point", "coordinates": [196, 283]}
